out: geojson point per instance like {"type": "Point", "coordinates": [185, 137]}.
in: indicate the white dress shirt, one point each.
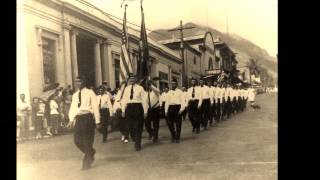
{"type": "Point", "coordinates": [206, 93]}
{"type": "Point", "coordinates": [251, 94]}
{"type": "Point", "coordinates": [23, 108]}
{"type": "Point", "coordinates": [139, 96]}
{"type": "Point", "coordinates": [154, 99]}
{"type": "Point", "coordinates": [197, 94]}
{"type": "Point", "coordinates": [228, 93]}
{"type": "Point", "coordinates": [175, 97]}
{"type": "Point", "coordinates": [88, 104]}
{"type": "Point", "coordinates": [213, 92]}
{"type": "Point", "coordinates": [162, 98]}
{"type": "Point", "coordinates": [218, 94]}
{"type": "Point", "coordinates": [105, 102]}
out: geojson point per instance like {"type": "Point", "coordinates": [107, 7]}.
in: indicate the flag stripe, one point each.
{"type": "Point", "coordinates": [126, 58]}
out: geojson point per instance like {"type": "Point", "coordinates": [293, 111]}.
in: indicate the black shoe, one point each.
{"type": "Point", "coordinates": [205, 128]}
{"type": "Point", "coordinates": [198, 131]}
{"type": "Point", "coordinates": [177, 140]}
{"type": "Point", "coordinates": [104, 140]}
{"type": "Point", "coordinates": [155, 140]}
{"type": "Point", "coordinates": [137, 148]}
{"type": "Point", "coordinates": [194, 130]}
{"type": "Point", "coordinates": [150, 137]}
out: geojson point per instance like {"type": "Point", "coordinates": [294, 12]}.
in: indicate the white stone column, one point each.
{"type": "Point", "coordinates": [22, 67]}
{"type": "Point", "coordinates": [169, 76]}
{"type": "Point", "coordinates": [74, 59]}
{"type": "Point", "coordinates": [97, 64]}
{"type": "Point", "coordinates": [109, 64]}
{"type": "Point", "coordinates": [67, 54]}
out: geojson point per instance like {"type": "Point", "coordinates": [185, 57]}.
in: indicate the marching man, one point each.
{"type": "Point", "coordinates": [173, 111]}
{"type": "Point", "coordinates": [84, 116]}
{"type": "Point", "coordinates": [153, 118]}
{"type": "Point", "coordinates": [194, 99]}
{"type": "Point", "coordinates": [134, 109]}
{"type": "Point", "coordinates": [206, 103]}
{"type": "Point", "coordinates": [105, 108]}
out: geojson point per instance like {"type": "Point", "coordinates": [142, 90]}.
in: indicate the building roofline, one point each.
{"type": "Point", "coordinates": [106, 20]}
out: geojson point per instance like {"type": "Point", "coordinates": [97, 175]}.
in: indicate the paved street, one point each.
{"type": "Point", "coordinates": [243, 147]}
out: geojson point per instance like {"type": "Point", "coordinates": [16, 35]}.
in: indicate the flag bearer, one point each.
{"type": "Point", "coordinates": [134, 109]}
{"type": "Point", "coordinates": [153, 118]}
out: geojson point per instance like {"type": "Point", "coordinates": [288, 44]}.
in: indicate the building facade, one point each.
{"type": "Point", "coordinates": [58, 40]}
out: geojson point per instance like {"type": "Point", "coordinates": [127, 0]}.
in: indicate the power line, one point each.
{"type": "Point", "coordinates": [108, 14]}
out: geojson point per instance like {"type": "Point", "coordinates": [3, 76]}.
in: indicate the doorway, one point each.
{"type": "Point", "coordinates": [85, 58]}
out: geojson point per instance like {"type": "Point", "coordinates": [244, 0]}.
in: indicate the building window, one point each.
{"type": "Point", "coordinates": [49, 62]}
{"type": "Point", "coordinates": [163, 80]}
{"type": "Point", "coordinates": [217, 63]}
{"type": "Point", "coordinates": [194, 60]}
{"type": "Point", "coordinates": [210, 65]}
{"type": "Point", "coordinates": [116, 60]}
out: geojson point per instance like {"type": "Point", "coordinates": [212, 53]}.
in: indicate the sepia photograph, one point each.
{"type": "Point", "coordinates": [147, 89]}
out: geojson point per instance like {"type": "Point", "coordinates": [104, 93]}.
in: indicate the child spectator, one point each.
{"type": "Point", "coordinates": [54, 114]}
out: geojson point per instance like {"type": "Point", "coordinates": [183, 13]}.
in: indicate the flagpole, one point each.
{"type": "Point", "coordinates": [125, 12]}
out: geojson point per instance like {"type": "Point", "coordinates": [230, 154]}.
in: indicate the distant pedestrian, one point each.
{"type": "Point", "coordinates": [23, 122]}
{"type": "Point", "coordinates": [54, 114]}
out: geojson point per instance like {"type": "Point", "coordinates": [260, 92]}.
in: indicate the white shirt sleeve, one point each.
{"type": "Point", "coordinates": [95, 107]}
{"type": "Point", "coordinates": [145, 100]}
{"type": "Point", "coordinates": [73, 108]}
{"type": "Point", "coordinates": [168, 94]}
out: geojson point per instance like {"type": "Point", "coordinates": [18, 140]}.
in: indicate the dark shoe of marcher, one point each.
{"type": "Point", "coordinates": [104, 140]}
{"type": "Point", "coordinates": [137, 148]}
{"type": "Point", "coordinates": [177, 140]}
{"type": "Point", "coordinates": [198, 131]}
{"type": "Point", "coordinates": [155, 140]}
{"type": "Point", "coordinates": [194, 130]}
{"type": "Point", "coordinates": [150, 137]}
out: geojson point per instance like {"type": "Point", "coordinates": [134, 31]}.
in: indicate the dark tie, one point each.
{"type": "Point", "coordinates": [100, 102]}
{"type": "Point", "coordinates": [79, 104]}
{"type": "Point", "coordinates": [193, 91]}
{"type": "Point", "coordinates": [131, 95]}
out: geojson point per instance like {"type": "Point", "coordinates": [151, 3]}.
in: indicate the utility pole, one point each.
{"type": "Point", "coordinates": [184, 65]}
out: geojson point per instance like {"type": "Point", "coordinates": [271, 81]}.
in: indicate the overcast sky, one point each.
{"type": "Point", "coordinates": [255, 20]}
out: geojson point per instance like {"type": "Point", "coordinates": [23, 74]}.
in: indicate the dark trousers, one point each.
{"type": "Point", "coordinates": [212, 112]}
{"type": "Point", "coordinates": [174, 120]}
{"type": "Point", "coordinates": [234, 105]}
{"type": "Point", "coordinates": [104, 119]}
{"type": "Point", "coordinates": [205, 112]}
{"type": "Point", "coordinates": [134, 116]}
{"type": "Point", "coordinates": [54, 122]}
{"type": "Point", "coordinates": [194, 114]}
{"type": "Point", "coordinates": [229, 107]}
{"type": "Point", "coordinates": [39, 124]}
{"type": "Point", "coordinates": [84, 134]}
{"type": "Point", "coordinates": [123, 124]}
{"type": "Point", "coordinates": [224, 107]}
{"type": "Point", "coordinates": [152, 122]}
{"type": "Point", "coordinates": [218, 109]}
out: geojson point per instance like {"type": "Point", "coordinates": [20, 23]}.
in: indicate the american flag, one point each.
{"type": "Point", "coordinates": [125, 61]}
